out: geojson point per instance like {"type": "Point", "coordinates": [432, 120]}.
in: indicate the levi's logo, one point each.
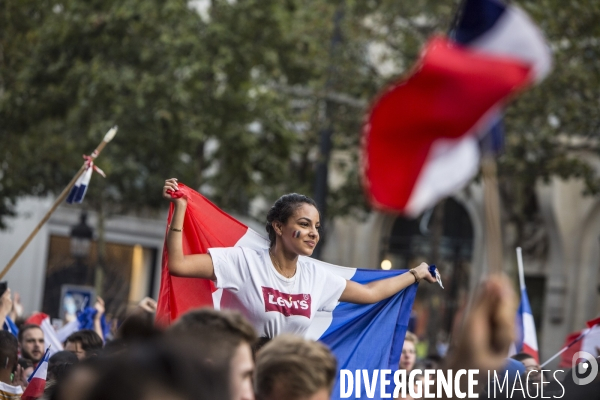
{"type": "Point", "coordinates": [287, 304]}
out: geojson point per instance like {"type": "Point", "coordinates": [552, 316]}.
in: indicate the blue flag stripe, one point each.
{"type": "Point", "coordinates": [478, 16]}
{"type": "Point", "coordinates": [370, 336]}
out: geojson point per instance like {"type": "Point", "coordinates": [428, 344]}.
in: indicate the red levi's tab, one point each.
{"type": "Point", "coordinates": [286, 304]}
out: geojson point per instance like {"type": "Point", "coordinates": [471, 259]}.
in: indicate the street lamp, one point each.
{"type": "Point", "coordinates": [81, 238]}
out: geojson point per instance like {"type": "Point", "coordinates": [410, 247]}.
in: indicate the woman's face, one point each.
{"type": "Point", "coordinates": [408, 357]}
{"type": "Point", "coordinates": [300, 233]}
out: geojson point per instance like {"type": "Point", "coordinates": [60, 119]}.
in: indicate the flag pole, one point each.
{"type": "Point", "coordinates": [493, 235]}
{"type": "Point", "coordinates": [577, 339]}
{"type": "Point", "coordinates": [61, 197]}
{"type": "Point", "coordinates": [521, 271]}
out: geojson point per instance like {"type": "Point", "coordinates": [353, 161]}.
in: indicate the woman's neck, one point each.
{"type": "Point", "coordinates": [284, 260]}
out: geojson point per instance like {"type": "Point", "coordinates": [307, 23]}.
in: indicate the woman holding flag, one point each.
{"type": "Point", "coordinates": [278, 291]}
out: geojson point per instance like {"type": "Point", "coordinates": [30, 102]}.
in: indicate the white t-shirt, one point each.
{"type": "Point", "coordinates": [273, 303]}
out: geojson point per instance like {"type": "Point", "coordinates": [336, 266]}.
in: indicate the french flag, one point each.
{"type": "Point", "coordinates": [37, 380]}
{"type": "Point", "coordinates": [78, 191]}
{"type": "Point", "coordinates": [421, 139]}
{"type": "Point", "coordinates": [85, 320]}
{"type": "Point", "coordinates": [587, 340]}
{"type": "Point", "coordinates": [50, 335]}
{"type": "Point", "coordinates": [526, 335]}
{"type": "Point", "coordinates": [526, 341]}
{"type": "Point", "coordinates": [361, 336]}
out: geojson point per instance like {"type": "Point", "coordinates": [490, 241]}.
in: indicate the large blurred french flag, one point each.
{"type": "Point", "coordinates": [420, 142]}
{"type": "Point", "coordinates": [361, 336]}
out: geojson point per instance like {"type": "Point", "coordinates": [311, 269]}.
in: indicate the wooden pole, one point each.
{"type": "Point", "coordinates": [492, 215]}
{"type": "Point", "coordinates": [61, 197]}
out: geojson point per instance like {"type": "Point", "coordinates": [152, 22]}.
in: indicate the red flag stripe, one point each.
{"type": "Point", "coordinates": [205, 226]}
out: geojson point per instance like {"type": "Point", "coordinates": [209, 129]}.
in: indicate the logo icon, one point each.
{"type": "Point", "coordinates": [584, 372]}
{"type": "Point", "coordinates": [285, 303]}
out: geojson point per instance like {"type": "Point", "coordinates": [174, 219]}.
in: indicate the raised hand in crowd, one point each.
{"type": "Point", "coordinates": [148, 304]}
{"type": "Point", "coordinates": [6, 305]}
{"type": "Point", "coordinates": [170, 186]}
{"type": "Point", "coordinates": [99, 306]}
{"type": "Point", "coordinates": [483, 339]}
{"type": "Point", "coordinates": [20, 377]}
{"type": "Point", "coordinates": [17, 307]}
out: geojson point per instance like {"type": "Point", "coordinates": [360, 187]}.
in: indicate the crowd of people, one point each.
{"type": "Point", "coordinates": [245, 351]}
{"type": "Point", "coordinates": [217, 354]}
{"type": "Point", "coordinates": [206, 354]}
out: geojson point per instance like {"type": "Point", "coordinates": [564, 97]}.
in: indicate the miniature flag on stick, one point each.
{"type": "Point", "coordinates": [87, 165]}
{"type": "Point", "coordinates": [78, 191]}
{"type": "Point", "coordinates": [80, 188]}
{"type": "Point", "coordinates": [526, 335]}
{"type": "Point", "coordinates": [37, 380]}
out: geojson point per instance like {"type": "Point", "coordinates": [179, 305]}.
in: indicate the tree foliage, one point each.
{"type": "Point", "coordinates": [232, 100]}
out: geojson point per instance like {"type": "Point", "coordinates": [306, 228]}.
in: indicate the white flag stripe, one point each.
{"type": "Point", "coordinates": [515, 35]}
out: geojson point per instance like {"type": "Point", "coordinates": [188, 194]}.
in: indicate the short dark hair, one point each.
{"type": "Point", "coordinates": [179, 368]}
{"type": "Point", "coordinates": [299, 366]}
{"type": "Point", "coordinates": [283, 209]}
{"type": "Point", "coordinates": [25, 363]}
{"type": "Point", "coordinates": [521, 356]}
{"type": "Point", "coordinates": [60, 364]}
{"type": "Point", "coordinates": [9, 350]}
{"type": "Point", "coordinates": [25, 328]}
{"type": "Point", "coordinates": [138, 327]}
{"type": "Point", "coordinates": [90, 341]}
{"type": "Point", "coordinates": [62, 357]}
{"type": "Point", "coordinates": [220, 322]}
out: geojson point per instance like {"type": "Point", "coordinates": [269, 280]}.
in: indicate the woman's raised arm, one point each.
{"type": "Point", "coordinates": [375, 291]}
{"type": "Point", "coordinates": [193, 265]}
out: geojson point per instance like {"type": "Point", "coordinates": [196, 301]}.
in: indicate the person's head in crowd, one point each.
{"type": "Point", "coordinates": [60, 363]}
{"type": "Point", "coordinates": [9, 349]}
{"type": "Point", "coordinates": [409, 352]}
{"type": "Point", "coordinates": [138, 326]}
{"type": "Point", "coordinates": [532, 367]}
{"type": "Point", "coordinates": [84, 343]}
{"type": "Point", "coordinates": [26, 366]}
{"type": "Point", "coordinates": [231, 331]}
{"type": "Point", "coordinates": [432, 361]}
{"type": "Point", "coordinates": [77, 381]}
{"type": "Point", "coordinates": [293, 368]}
{"type": "Point", "coordinates": [169, 369]}
{"type": "Point", "coordinates": [31, 342]}
{"type": "Point", "coordinates": [115, 347]}
{"type": "Point", "coordinates": [259, 344]}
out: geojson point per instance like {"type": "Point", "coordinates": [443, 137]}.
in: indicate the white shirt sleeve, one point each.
{"type": "Point", "coordinates": [230, 266]}
{"type": "Point", "coordinates": [331, 291]}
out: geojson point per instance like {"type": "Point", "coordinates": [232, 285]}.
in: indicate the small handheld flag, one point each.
{"type": "Point", "coordinates": [526, 334]}
{"type": "Point", "coordinates": [78, 191]}
{"type": "Point", "coordinates": [62, 196]}
{"type": "Point", "coordinates": [37, 380]}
